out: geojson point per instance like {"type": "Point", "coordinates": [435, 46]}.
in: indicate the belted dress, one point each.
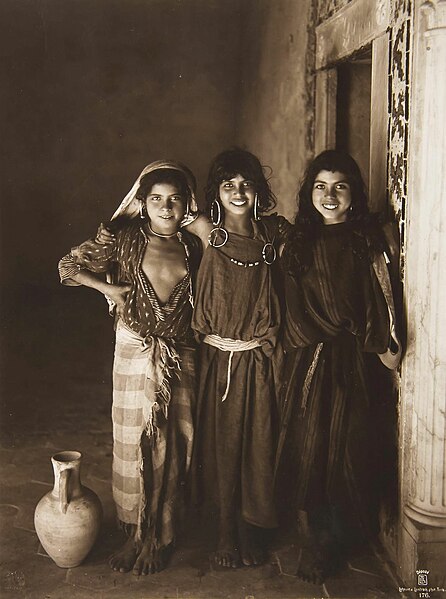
{"type": "Point", "coordinates": [237, 317]}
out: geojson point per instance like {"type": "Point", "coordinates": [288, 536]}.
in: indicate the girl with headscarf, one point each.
{"type": "Point", "coordinates": [150, 267]}
{"type": "Point", "coordinates": [339, 334]}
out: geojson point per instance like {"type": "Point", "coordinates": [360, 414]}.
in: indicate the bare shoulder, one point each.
{"type": "Point", "coordinates": [201, 227]}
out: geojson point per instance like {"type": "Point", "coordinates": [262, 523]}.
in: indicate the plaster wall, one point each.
{"type": "Point", "coordinates": [92, 91]}
{"type": "Point", "coordinates": [96, 90]}
{"type": "Point", "coordinates": [275, 98]}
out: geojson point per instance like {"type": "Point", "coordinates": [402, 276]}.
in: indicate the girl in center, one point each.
{"type": "Point", "coordinates": [237, 318]}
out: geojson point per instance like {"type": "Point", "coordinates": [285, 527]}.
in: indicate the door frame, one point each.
{"type": "Point", "coordinates": [355, 26]}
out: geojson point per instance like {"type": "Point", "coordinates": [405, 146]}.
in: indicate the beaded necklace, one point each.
{"type": "Point", "coordinates": [269, 253]}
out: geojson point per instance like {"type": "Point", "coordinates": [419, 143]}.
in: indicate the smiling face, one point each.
{"type": "Point", "coordinates": [237, 196]}
{"type": "Point", "coordinates": [165, 208]}
{"type": "Point", "coordinates": [331, 196]}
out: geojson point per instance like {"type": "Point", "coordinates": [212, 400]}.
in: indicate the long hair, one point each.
{"type": "Point", "coordinates": [233, 162]}
{"type": "Point", "coordinates": [367, 238]}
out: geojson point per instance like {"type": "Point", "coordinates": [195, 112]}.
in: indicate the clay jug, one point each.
{"type": "Point", "coordinates": [67, 519]}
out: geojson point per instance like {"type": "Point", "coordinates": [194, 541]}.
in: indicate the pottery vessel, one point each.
{"type": "Point", "coordinates": [67, 519]}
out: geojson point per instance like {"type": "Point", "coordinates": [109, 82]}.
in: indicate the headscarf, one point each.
{"type": "Point", "coordinates": [130, 204]}
{"type": "Point", "coordinates": [129, 207]}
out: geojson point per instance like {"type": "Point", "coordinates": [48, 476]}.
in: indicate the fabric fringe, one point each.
{"type": "Point", "coordinates": [170, 365]}
{"type": "Point", "coordinates": [127, 528]}
{"type": "Point", "coordinates": [309, 377]}
{"type": "Point", "coordinates": [160, 362]}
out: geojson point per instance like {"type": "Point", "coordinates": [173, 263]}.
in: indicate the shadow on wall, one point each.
{"type": "Point", "coordinates": [96, 90]}
{"type": "Point", "coordinates": [61, 343]}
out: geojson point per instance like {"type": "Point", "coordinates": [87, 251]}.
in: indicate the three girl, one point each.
{"type": "Point", "coordinates": [339, 314]}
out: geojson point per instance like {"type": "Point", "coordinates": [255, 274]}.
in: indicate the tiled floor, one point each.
{"type": "Point", "coordinates": [26, 571]}
{"type": "Point", "coordinates": [55, 405]}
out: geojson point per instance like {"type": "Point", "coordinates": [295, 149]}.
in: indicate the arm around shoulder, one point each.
{"type": "Point", "coordinates": [201, 226]}
{"type": "Point", "coordinates": [73, 274]}
{"type": "Point", "coordinates": [89, 255]}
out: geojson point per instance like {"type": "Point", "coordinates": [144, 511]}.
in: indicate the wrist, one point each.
{"type": "Point", "coordinates": [104, 287]}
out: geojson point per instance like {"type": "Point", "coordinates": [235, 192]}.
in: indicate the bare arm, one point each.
{"type": "Point", "coordinates": [117, 293]}
{"type": "Point", "coordinates": [89, 279]}
{"type": "Point", "coordinates": [201, 227]}
{"type": "Point", "coordinates": [74, 274]}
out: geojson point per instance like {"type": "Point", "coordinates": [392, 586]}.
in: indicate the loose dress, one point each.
{"type": "Point", "coordinates": [153, 382]}
{"type": "Point", "coordinates": [339, 315]}
{"type": "Point", "coordinates": [237, 302]}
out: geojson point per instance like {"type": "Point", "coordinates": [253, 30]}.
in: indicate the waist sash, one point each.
{"type": "Point", "coordinates": [231, 346]}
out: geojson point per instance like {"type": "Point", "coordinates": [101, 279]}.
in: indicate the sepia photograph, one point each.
{"type": "Point", "coordinates": [222, 335]}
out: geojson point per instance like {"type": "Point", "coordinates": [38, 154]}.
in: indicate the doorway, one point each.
{"type": "Point", "coordinates": [352, 114]}
{"type": "Point", "coordinates": [353, 108]}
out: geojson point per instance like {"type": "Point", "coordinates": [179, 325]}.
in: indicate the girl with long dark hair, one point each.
{"type": "Point", "coordinates": [340, 327]}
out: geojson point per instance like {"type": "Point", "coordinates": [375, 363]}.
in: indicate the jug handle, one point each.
{"type": "Point", "coordinates": [63, 490]}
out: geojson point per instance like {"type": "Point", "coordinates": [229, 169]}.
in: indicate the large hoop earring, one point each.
{"type": "Point", "coordinates": [213, 237]}
{"type": "Point", "coordinates": [256, 208]}
{"type": "Point", "coordinates": [216, 206]}
{"type": "Point", "coordinates": [269, 253]}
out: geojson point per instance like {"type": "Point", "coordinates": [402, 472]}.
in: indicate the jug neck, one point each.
{"type": "Point", "coordinates": [67, 460]}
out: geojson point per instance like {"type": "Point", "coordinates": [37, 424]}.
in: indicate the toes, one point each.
{"type": "Point", "coordinates": [146, 566]}
{"type": "Point", "coordinates": [226, 560]}
{"type": "Point", "coordinates": [138, 568]}
{"type": "Point", "coordinates": [253, 559]}
{"type": "Point", "coordinates": [123, 560]}
{"type": "Point", "coordinates": [118, 566]}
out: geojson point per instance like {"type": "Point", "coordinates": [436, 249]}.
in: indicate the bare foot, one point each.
{"type": "Point", "coordinates": [228, 558]}
{"type": "Point", "coordinates": [252, 548]}
{"type": "Point", "coordinates": [312, 567]}
{"type": "Point", "coordinates": [227, 554]}
{"type": "Point", "coordinates": [124, 559]}
{"type": "Point", "coordinates": [320, 557]}
{"type": "Point", "coordinates": [150, 561]}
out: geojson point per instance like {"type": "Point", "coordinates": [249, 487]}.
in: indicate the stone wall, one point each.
{"type": "Point", "coordinates": [275, 103]}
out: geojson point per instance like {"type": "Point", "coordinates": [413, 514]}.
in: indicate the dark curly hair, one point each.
{"type": "Point", "coordinates": [163, 175]}
{"type": "Point", "coordinates": [368, 238]}
{"type": "Point", "coordinates": [233, 162]}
